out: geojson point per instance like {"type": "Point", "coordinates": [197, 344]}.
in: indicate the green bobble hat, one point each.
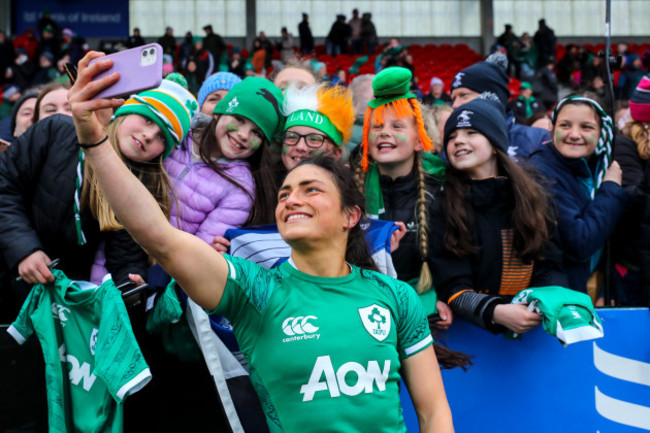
{"type": "Point", "coordinates": [169, 106]}
{"type": "Point", "coordinates": [390, 85]}
{"type": "Point", "coordinates": [257, 99]}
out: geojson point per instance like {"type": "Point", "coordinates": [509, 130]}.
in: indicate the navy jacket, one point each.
{"type": "Point", "coordinates": [584, 224]}
{"type": "Point", "coordinates": [524, 140]}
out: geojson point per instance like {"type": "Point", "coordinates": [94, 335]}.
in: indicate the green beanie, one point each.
{"type": "Point", "coordinates": [390, 85]}
{"type": "Point", "coordinates": [257, 99]}
{"type": "Point", "coordinates": [169, 106]}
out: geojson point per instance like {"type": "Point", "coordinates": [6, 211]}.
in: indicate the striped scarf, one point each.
{"type": "Point", "coordinates": [81, 238]}
{"type": "Point", "coordinates": [604, 146]}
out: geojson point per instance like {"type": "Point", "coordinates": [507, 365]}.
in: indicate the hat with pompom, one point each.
{"type": "Point", "coordinates": [487, 76]}
{"type": "Point", "coordinates": [328, 109]}
{"type": "Point", "coordinates": [170, 106]}
{"type": "Point", "coordinates": [640, 101]}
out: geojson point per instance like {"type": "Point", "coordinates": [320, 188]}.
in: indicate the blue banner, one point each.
{"type": "Point", "coordinates": [537, 386]}
{"type": "Point", "coordinates": [93, 19]}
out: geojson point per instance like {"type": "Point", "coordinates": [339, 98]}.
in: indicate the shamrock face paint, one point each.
{"type": "Point", "coordinates": [292, 155]}
{"type": "Point", "coordinates": [393, 144]}
{"type": "Point", "coordinates": [238, 137]}
{"type": "Point", "coordinates": [576, 131]}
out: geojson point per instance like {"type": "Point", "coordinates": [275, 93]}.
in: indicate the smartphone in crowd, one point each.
{"type": "Point", "coordinates": [140, 69]}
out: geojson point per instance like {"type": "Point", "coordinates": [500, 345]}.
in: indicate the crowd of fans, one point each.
{"type": "Point", "coordinates": [538, 190]}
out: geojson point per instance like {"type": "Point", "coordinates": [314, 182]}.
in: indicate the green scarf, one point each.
{"type": "Point", "coordinates": [431, 164]}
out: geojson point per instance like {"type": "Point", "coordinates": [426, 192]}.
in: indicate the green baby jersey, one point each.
{"type": "Point", "coordinates": [324, 353]}
{"type": "Point", "coordinates": [92, 360]}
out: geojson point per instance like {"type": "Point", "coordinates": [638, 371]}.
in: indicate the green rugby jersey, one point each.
{"type": "Point", "coordinates": [324, 353]}
{"type": "Point", "coordinates": [92, 360]}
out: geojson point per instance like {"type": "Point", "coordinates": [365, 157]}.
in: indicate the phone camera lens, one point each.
{"type": "Point", "coordinates": [144, 53]}
{"type": "Point", "coordinates": [151, 51]}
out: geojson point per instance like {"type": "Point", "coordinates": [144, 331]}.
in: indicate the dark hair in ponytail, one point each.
{"type": "Point", "coordinates": [356, 251]}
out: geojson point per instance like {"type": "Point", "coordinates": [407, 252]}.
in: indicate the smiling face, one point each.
{"type": "Point", "coordinates": [54, 102]}
{"type": "Point", "coordinates": [212, 100]}
{"type": "Point", "coordinates": [471, 152]}
{"type": "Point", "coordinates": [576, 131]}
{"type": "Point", "coordinates": [292, 155]}
{"type": "Point", "coordinates": [140, 139]}
{"type": "Point", "coordinates": [309, 206]}
{"type": "Point", "coordinates": [238, 137]}
{"type": "Point", "coordinates": [393, 143]}
{"type": "Point", "coordinates": [462, 95]}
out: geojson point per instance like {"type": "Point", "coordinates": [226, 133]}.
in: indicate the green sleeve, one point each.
{"type": "Point", "coordinates": [248, 289]}
{"type": "Point", "coordinates": [413, 332]}
{"type": "Point", "coordinates": [23, 328]}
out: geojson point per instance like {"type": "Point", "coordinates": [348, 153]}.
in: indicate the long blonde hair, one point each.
{"type": "Point", "coordinates": [152, 175]}
{"type": "Point", "coordinates": [638, 131]}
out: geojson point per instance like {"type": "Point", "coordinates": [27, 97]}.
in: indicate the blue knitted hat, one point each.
{"type": "Point", "coordinates": [487, 76]}
{"type": "Point", "coordinates": [218, 81]}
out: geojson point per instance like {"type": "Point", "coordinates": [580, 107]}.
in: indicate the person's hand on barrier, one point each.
{"type": "Point", "coordinates": [220, 244]}
{"type": "Point", "coordinates": [446, 316]}
{"type": "Point", "coordinates": [397, 235]}
{"type": "Point", "coordinates": [33, 268]}
{"type": "Point", "coordinates": [516, 317]}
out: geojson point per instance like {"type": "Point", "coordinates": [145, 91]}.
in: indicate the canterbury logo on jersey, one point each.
{"type": "Point", "coordinates": [300, 328]}
{"type": "Point", "coordinates": [59, 311]}
{"type": "Point", "coordinates": [367, 379]}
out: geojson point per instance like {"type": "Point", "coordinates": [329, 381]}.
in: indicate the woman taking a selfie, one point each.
{"type": "Point", "coordinates": [318, 214]}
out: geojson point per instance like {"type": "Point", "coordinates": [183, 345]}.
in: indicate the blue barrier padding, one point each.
{"type": "Point", "coordinates": [537, 386]}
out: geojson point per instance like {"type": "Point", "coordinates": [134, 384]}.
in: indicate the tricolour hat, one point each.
{"type": "Point", "coordinates": [169, 106]}
{"type": "Point", "coordinates": [487, 76]}
{"type": "Point", "coordinates": [328, 109]}
{"type": "Point", "coordinates": [257, 99]}
{"type": "Point", "coordinates": [640, 101]}
{"type": "Point", "coordinates": [218, 81]}
{"type": "Point", "coordinates": [484, 114]}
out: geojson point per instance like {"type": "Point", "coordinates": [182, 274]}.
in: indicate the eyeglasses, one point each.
{"type": "Point", "coordinates": [312, 140]}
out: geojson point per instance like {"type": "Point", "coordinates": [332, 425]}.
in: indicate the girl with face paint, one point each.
{"type": "Point", "coordinates": [400, 178]}
{"type": "Point", "coordinates": [221, 174]}
{"type": "Point", "coordinates": [585, 186]}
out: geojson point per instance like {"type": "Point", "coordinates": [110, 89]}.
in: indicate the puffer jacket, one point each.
{"type": "Point", "coordinates": [37, 187]}
{"type": "Point", "coordinates": [209, 204]}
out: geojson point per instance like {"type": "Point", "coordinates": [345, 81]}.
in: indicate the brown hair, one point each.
{"type": "Point", "coordinates": [265, 194]}
{"type": "Point", "coordinates": [41, 94]}
{"type": "Point", "coordinates": [152, 175]}
{"type": "Point", "coordinates": [531, 216]}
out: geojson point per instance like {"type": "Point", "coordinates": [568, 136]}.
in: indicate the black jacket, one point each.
{"type": "Point", "coordinates": [400, 199]}
{"type": "Point", "coordinates": [492, 275]}
{"type": "Point", "coordinates": [37, 188]}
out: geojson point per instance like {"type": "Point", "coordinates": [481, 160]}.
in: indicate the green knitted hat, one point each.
{"type": "Point", "coordinates": [169, 106]}
{"type": "Point", "coordinates": [256, 99]}
{"type": "Point", "coordinates": [390, 85]}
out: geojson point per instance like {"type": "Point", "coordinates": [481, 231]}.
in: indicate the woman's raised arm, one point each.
{"type": "Point", "coordinates": [200, 270]}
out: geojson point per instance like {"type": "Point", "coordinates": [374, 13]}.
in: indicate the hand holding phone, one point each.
{"type": "Point", "coordinates": [140, 68]}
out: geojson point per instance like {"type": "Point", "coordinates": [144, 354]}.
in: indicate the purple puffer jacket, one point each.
{"type": "Point", "coordinates": [209, 204]}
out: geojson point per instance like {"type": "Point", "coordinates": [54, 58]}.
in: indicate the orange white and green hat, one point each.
{"type": "Point", "coordinates": [391, 88]}
{"type": "Point", "coordinates": [170, 106]}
